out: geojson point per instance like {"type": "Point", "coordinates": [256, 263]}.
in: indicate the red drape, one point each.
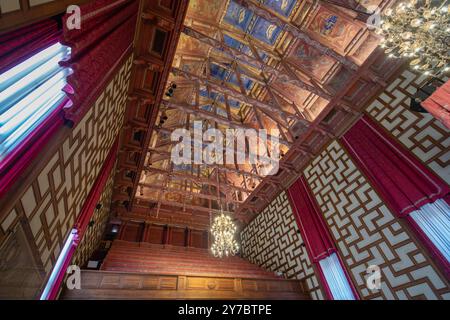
{"type": "Point", "coordinates": [404, 183]}
{"type": "Point", "coordinates": [19, 45]}
{"type": "Point", "coordinates": [15, 163]}
{"type": "Point", "coordinates": [438, 104]}
{"type": "Point", "coordinates": [16, 47]}
{"type": "Point", "coordinates": [98, 47]}
{"type": "Point", "coordinates": [313, 230]}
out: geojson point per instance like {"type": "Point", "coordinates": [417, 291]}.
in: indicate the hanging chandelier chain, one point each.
{"type": "Point", "coordinates": [223, 230]}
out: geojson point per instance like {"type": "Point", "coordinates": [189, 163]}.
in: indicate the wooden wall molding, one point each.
{"type": "Point", "coordinates": [117, 285]}
{"type": "Point", "coordinates": [30, 14]}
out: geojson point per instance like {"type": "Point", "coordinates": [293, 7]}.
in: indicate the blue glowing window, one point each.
{"type": "Point", "coordinates": [29, 92]}
{"type": "Point", "coordinates": [335, 277]}
{"type": "Point", "coordinates": [434, 220]}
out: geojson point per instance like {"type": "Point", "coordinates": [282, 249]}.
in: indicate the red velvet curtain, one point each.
{"type": "Point", "coordinates": [312, 228]}
{"type": "Point", "coordinates": [98, 47]}
{"type": "Point", "coordinates": [438, 104]}
{"type": "Point", "coordinates": [404, 183]}
{"type": "Point", "coordinates": [17, 46]}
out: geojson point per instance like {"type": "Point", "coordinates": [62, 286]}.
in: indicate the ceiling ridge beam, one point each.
{"type": "Point", "coordinates": [226, 149]}
{"type": "Point", "coordinates": [215, 166]}
{"type": "Point", "coordinates": [234, 93]}
{"type": "Point", "coordinates": [198, 179]}
{"type": "Point", "coordinates": [206, 196]}
{"type": "Point", "coordinates": [216, 118]}
{"type": "Point", "coordinates": [191, 207]}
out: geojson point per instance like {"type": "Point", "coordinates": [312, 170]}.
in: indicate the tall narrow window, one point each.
{"type": "Point", "coordinates": [60, 267]}
{"type": "Point", "coordinates": [335, 278]}
{"type": "Point", "coordinates": [29, 92]}
{"type": "Point", "coordinates": [434, 220]}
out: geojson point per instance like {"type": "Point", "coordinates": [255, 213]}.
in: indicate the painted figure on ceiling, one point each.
{"type": "Point", "coordinates": [238, 16]}
{"type": "Point", "coordinates": [333, 27]}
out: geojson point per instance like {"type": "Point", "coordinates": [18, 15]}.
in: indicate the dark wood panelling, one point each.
{"type": "Point", "coordinates": [157, 36]}
{"type": "Point", "coordinates": [116, 285]}
{"type": "Point", "coordinates": [178, 237]}
{"type": "Point", "coordinates": [156, 234]}
{"type": "Point", "coordinates": [199, 239]}
{"type": "Point", "coordinates": [132, 232]}
{"type": "Point", "coordinates": [28, 15]}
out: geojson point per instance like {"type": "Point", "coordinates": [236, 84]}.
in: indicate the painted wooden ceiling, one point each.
{"type": "Point", "coordinates": [300, 66]}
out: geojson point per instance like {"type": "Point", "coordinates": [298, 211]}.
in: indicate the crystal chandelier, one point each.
{"type": "Point", "coordinates": [418, 30]}
{"type": "Point", "coordinates": [223, 230]}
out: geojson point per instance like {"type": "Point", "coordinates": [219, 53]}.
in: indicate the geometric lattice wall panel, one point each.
{"type": "Point", "coordinates": [425, 136]}
{"type": "Point", "coordinates": [51, 203]}
{"type": "Point", "coordinates": [272, 241]}
{"type": "Point", "coordinates": [366, 232]}
{"type": "Point", "coordinates": [94, 233]}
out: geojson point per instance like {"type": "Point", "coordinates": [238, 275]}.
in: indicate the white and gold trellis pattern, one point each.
{"type": "Point", "coordinates": [273, 242]}
{"type": "Point", "coordinates": [93, 235]}
{"type": "Point", "coordinates": [366, 232]}
{"type": "Point", "coordinates": [420, 133]}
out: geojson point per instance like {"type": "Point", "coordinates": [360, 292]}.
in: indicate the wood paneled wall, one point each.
{"type": "Point", "coordinates": [425, 136]}
{"type": "Point", "coordinates": [163, 234]}
{"type": "Point", "coordinates": [116, 285]}
{"type": "Point", "coordinates": [93, 235]}
{"type": "Point", "coordinates": [367, 233]}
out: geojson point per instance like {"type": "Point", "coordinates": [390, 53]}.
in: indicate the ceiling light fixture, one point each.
{"type": "Point", "coordinates": [223, 230]}
{"type": "Point", "coordinates": [418, 30]}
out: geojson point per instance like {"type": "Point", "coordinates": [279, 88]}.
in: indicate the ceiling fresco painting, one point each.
{"type": "Point", "coordinates": [241, 64]}
{"type": "Point", "coordinates": [334, 28]}
{"type": "Point", "coordinates": [311, 60]}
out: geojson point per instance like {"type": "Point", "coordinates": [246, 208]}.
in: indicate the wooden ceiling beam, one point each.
{"type": "Point", "coordinates": [226, 148]}
{"type": "Point", "coordinates": [216, 118]}
{"type": "Point", "coordinates": [234, 54]}
{"type": "Point", "coordinates": [187, 206]}
{"type": "Point", "coordinates": [165, 189]}
{"type": "Point", "coordinates": [262, 11]}
{"type": "Point", "coordinates": [233, 93]}
{"type": "Point", "coordinates": [197, 179]}
{"type": "Point", "coordinates": [215, 166]}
